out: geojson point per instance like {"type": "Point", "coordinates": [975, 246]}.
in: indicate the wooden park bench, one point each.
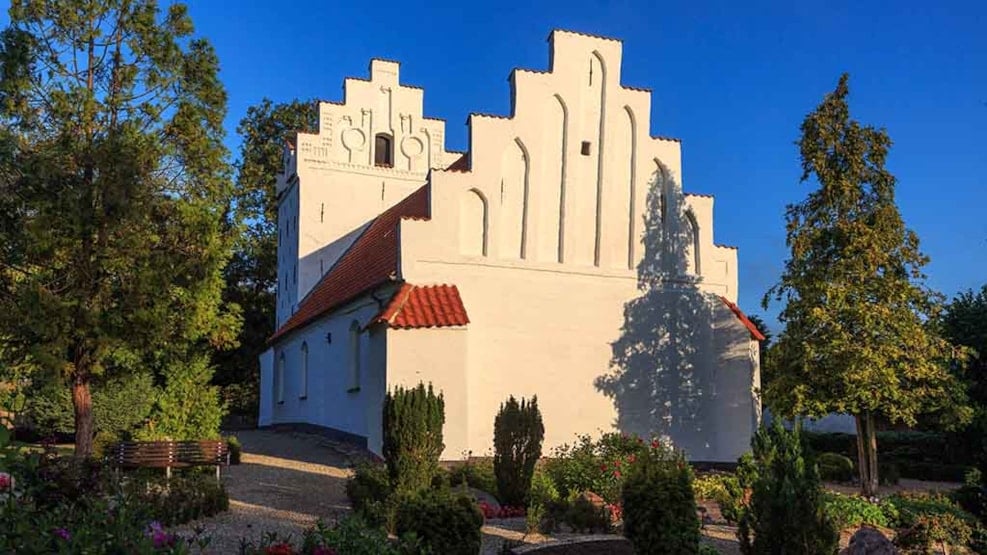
{"type": "Point", "coordinates": [171, 454]}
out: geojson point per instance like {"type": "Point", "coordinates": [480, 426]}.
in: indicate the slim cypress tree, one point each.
{"type": "Point", "coordinates": [413, 420]}
{"type": "Point", "coordinates": [518, 435]}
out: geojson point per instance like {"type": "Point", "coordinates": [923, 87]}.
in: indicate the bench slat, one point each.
{"type": "Point", "coordinates": [168, 454]}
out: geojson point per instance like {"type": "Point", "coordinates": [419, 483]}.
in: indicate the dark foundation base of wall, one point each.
{"type": "Point", "coordinates": [324, 431]}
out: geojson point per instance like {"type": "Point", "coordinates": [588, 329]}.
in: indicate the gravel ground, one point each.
{"type": "Point", "coordinates": [285, 482]}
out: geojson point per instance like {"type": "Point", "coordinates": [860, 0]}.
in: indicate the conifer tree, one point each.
{"type": "Point", "coordinates": [855, 304]}
{"type": "Point", "coordinates": [412, 442]}
{"type": "Point", "coordinates": [518, 435]}
{"type": "Point", "coordinates": [785, 513]}
{"type": "Point", "coordinates": [114, 185]}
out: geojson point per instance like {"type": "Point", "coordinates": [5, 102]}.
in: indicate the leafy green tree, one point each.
{"type": "Point", "coordinates": [115, 187]}
{"type": "Point", "coordinates": [964, 323]}
{"type": "Point", "coordinates": [855, 303]}
{"type": "Point", "coordinates": [251, 275]}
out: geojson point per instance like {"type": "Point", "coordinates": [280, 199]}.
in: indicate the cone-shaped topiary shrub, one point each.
{"type": "Point", "coordinates": [518, 435]}
{"type": "Point", "coordinates": [659, 506]}
{"type": "Point", "coordinates": [786, 510]}
{"type": "Point", "coordinates": [413, 420]}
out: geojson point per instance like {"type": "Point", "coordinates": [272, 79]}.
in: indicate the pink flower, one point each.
{"type": "Point", "coordinates": [616, 474]}
{"type": "Point", "coordinates": [322, 550]}
{"type": "Point", "coordinates": [631, 458]}
{"type": "Point", "coordinates": [62, 533]}
{"type": "Point", "coordinates": [5, 481]}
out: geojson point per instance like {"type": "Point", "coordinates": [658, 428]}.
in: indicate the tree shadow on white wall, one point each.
{"type": "Point", "coordinates": [661, 377]}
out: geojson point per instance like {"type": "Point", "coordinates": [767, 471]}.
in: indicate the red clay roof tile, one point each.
{"type": "Point", "coordinates": [755, 333]}
{"type": "Point", "coordinates": [371, 261]}
{"type": "Point", "coordinates": [415, 306]}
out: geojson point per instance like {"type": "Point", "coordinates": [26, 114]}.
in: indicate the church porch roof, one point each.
{"type": "Point", "coordinates": [430, 306]}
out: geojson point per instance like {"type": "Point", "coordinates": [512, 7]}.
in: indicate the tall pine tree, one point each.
{"type": "Point", "coordinates": [115, 186]}
{"type": "Point", "coordinates": [855, 306]}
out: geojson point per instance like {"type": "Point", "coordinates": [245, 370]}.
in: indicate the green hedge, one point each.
{"type": "Point", "coordinates": [916, 455]}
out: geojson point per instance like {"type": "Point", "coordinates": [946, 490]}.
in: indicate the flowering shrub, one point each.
{"type": "Point", "coordinates": [597, 466]}
{"type": "Point", "coordinates": [52, 505]}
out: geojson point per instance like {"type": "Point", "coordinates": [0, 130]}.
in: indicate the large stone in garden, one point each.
{"type": "Point", "coordinates": [869, 541]}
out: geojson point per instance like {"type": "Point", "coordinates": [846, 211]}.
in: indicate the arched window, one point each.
{"type": "Point", "coordinates": [383, 150]}
{"type": "Point", "coordinates": [303, 379]}
{"type": "Point", "coordinates": [691, 243]}
{"type": "Point", "coordinates": [354, 356]}
{"type": "Point", "coordinates": [279, 381]}
{"type": "Point", "coordinates": [473, 224]}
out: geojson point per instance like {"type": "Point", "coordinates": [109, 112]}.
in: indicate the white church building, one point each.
{"type": "Point", "coordinates": [557, 257]}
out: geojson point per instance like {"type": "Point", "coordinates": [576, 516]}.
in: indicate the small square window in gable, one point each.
{"type": "Point", "coordinates": [584, 150]}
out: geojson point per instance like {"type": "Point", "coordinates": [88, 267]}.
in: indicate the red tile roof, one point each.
{"type": "Point", "coordinates": [416, 306]}
{"type": "Point", "coordinates": [755, 333]}
{"type": "Point", "coordinates": [462, 164]}
{"type": "Point", "coordinates": [371, 261]}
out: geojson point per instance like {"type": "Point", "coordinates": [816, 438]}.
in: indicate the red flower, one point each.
{"type": "Point", "coordinates": [616, 474]}
{"type": "Point", "coordinates": [603, 467]}
{"type": "Point", "coordinates": [617, 463]}
{"type": "Point", "coordinates": [279, 549]}
{"type": "Point", "coordinates": [655, 444]}
{"type": "Point", "coordinates": [631, 458]}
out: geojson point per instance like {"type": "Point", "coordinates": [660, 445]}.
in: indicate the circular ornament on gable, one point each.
{"type": "Point", "coordinates": [412, 146]}
{"type": "Point", "coordinates": [354, 139]}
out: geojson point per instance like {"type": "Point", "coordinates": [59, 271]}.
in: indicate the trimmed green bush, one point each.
{"type": "Point", "coordinates": [413, 420]}
{"type": "Point", "coordinates": [518, 435]}
{"type": "Point", "coordinates": [659, 506]}
{"type": "Point", "coordinates": [236, 449]}
{"type": "Point", "coordinates": [785, 513]}
{"type": "Point", "coordinates": [578, 513]}
{"type": "Point", "coordinates": [369, 491]}
{"type": "Point", "coordinates": [443, 521]}
{"type": "Point", "coordinates": [834, 467]}
{"type": "Point", "coordinates": [475, 474]}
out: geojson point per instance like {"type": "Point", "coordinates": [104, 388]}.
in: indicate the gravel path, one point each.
{"type": "Point", "coordinates": [285, 482]}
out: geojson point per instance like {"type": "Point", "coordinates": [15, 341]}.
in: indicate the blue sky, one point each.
{"type": "Point", "coordinates": [733, 80]}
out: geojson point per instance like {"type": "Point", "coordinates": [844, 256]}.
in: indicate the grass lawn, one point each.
{"type": "Point", "coordinates": [62, 449]}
